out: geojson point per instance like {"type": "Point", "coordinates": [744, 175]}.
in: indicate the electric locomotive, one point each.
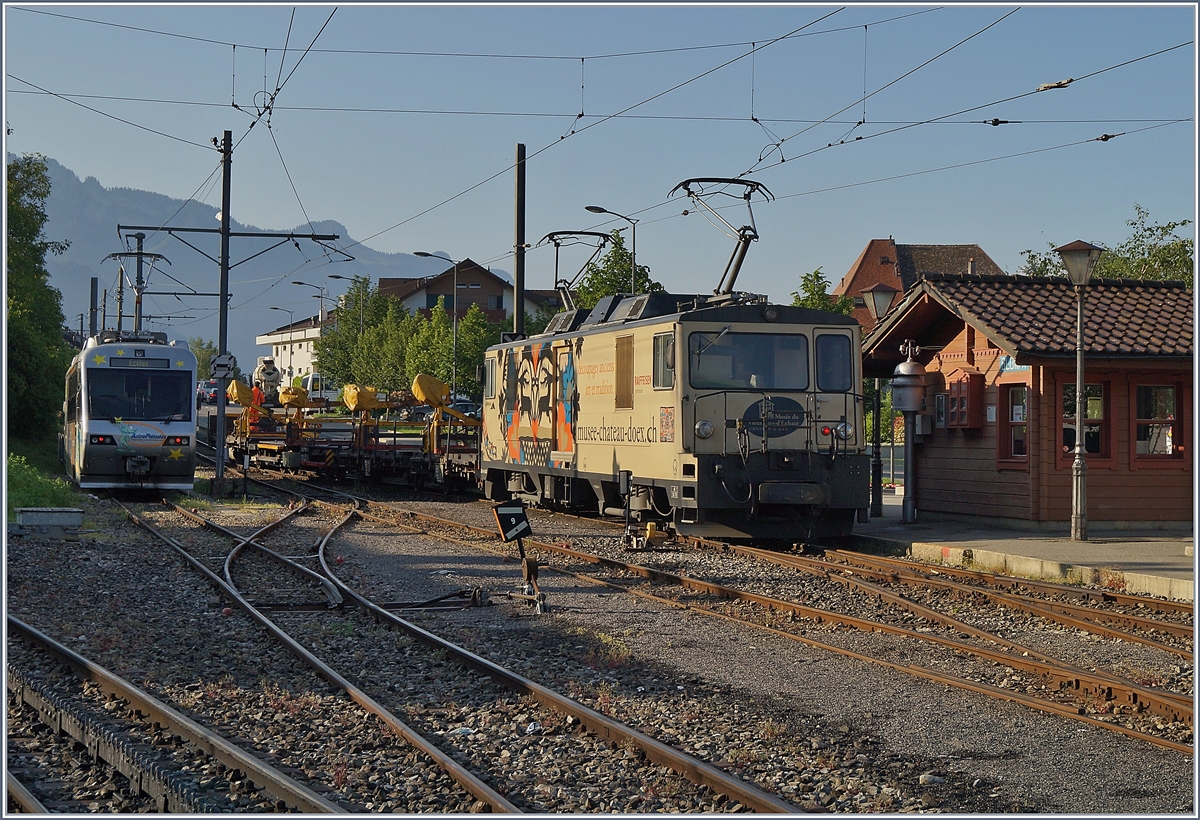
{"type": "Point", "coordinates": [722, 415]}
{"type": "Point", "coordinates": [129, 416]}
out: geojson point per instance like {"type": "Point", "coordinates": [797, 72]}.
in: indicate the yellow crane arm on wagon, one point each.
{"type": "Point", "coordinates": [243, 394]}
{"type": "Point", "coordinates": [436, 393]}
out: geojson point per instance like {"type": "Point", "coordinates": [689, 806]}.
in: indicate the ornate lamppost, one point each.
{"type": "Point", "coordinates": [878, 299]}
{"type": "Point", "coordinates": [1080, 259]}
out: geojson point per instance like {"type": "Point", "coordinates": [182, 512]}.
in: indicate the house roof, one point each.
{"type": "Point", "coordinates": [883, 261]}
{"type": "Point", "coordinates": [1035, 316]}
{"type": "Point", "coordinates": [403, 288]}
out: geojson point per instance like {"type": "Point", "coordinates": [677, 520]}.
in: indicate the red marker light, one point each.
{"type": "Point", "coordinates": [826, 431]}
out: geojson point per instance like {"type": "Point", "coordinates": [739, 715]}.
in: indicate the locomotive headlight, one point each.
{"type": "Point", "coordinates": [101, 439]}
{"type": "Point", "coordinates": [845, 431]}
{"type": "Point", "coordinates": [177, 439]}
{"type": "Point", "coordinates": [704, 429]}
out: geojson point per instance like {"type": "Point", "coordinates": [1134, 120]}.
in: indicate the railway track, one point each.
{"type": "Point", "coordinates": [292, 597]}
{"type": "Point", "coordinates": [1096, 697]}
{"type": "Point", "coordinates": [1111, 616]}
{"type": "Point", "coordinates": [303, 608]}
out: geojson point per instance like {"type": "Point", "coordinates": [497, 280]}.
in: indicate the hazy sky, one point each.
{"type": "Point", "coordinates": [401, 121]}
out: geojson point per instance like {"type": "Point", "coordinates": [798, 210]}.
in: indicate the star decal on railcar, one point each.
{"type": "Point", "coordinates": [120, 352]}
{"type": "Point", "coordinates": [99, 358]}
{"type": "Point", "coordinates": [179, 363]}
{"type": "Point", "coordinates": [175, 454]}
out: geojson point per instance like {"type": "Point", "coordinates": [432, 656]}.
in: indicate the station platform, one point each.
{"type": "Point", "coordinates": [1142, 562]}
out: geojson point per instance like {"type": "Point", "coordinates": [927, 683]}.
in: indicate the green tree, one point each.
{"type": "Point", "coordinates": [204, 350]}
{"type": "Point", "coordinates": [37, 355]}
{"type": "Point", "coordinates": [610, 276]}
{"type": "Point", "coordinates": [429, 348]}
{"type": "Point", "coordinates": [475, 335]}
{"type": "Point", "coordinates": [380, 356]}
{"type": "Point", "coordinates": [814, 293]}
{"type": "Point", "coordinates": [1151, 251]}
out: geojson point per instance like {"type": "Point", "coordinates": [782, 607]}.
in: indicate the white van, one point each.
{"type": "Point", "coordinates": [319, 387]}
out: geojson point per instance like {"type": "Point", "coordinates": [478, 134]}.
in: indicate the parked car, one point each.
{"type": "Point", "coordinates": [210, 391]}
{"type": "Point", "coordinates": [419, 414]}
{"type": "Point", "coordinates": [468, 408]}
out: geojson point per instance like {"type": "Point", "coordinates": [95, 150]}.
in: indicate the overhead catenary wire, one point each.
{"type": "Point", "coordinates": [456, 54]}
{"type": "Point", "coordinates": [779, 145]}
{"type": "Point", "coordinates": [586, 128]}
{"type": "Point", "coordinates": [109, 116]}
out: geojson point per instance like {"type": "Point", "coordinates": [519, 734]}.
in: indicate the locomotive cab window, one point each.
{"type": "Point", "coordinates": [720, 359]}
{"type": "Point", "coordinates": [835, 369]}
{"type": "Point", "coordinates": [139, 395]}
{"type": "Point", "coordinates": [664, 361]}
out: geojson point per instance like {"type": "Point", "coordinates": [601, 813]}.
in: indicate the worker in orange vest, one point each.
{"type": "Point", "coordinates": [257, 399]}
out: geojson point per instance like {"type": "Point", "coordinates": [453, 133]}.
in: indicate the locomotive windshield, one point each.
{"type": "Point", "coordinates": [139, 395]}
{"type": "Point", "coordinates": [720, 359]}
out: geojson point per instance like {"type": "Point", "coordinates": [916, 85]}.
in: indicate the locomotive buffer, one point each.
{"type": "Point", "coordinates": [514, 526]}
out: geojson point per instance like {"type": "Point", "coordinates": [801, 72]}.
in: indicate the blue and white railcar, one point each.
{"type": "Point", "coordinates": [129, 416]}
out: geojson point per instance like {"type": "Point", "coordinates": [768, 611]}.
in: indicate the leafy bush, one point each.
{"type": "Point", "coordinates": [28, 487]}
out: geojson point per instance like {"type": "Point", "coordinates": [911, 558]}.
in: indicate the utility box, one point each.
{"type": "Point", "coordinates": [47, 522]}
{"type": "Point", "coordinates": [966, 402]}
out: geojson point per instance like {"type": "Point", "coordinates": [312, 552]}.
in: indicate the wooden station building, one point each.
{"type": "Point", "coordinates": [996, 440]}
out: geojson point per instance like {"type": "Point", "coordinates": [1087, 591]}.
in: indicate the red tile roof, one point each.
{"type": "Point", "coordinates": [1036, 316]}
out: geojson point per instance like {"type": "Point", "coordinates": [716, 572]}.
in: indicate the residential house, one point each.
{"type": "Point", "coordinates": [293, 344]}
{"type": "Point", "coordinates": [899, 266]}
{"type": "Point", "coordinates": [998, 439]}
{"type": "Point", "coordinates": [472, 284]}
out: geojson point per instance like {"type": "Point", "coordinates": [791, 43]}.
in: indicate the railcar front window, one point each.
{"type": "Point", "coordinates": [748, 361]}
{"type": "Point", "coordinates": [139, 395]}
{"type": "Point", "coordinates": [835, 372]}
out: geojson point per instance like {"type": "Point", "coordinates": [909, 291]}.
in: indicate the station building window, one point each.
{"type": "Point", "coordinates": [1013, 428]}
{"type": "Point", "coordinates": [1158, 427]}
{"type": "Point", "coordinates": [1096, 429]}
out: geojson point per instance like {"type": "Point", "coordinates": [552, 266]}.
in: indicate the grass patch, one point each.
{"type": "Point", "coordinates": [40, 453]}
{"type": "Point", "coordinates": [30, 487]}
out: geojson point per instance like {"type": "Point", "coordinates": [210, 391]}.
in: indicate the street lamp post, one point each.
{"type": "Point", "coordinates": [596, 209]}
{"type": "Point", "coordinates": [320, 294]}
{"type": "Point", "coordinates": [453, 324]}
{"type": "Point", "coordinates": [1079, 258]}
{"type": "Point", "coordinates": [290, 345]}
{"type": "Point", "coordinates": [360, 299]}
{"type": "Point", "coordinates": [878, 299]}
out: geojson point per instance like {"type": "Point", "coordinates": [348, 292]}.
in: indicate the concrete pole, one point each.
{"type": "Point", "coordinates": [518, 247]}
{"type": "Point", "coordinates": [92, 306]}
{"type": "Point", "coordinates": [138, 286]}
{"type": "Point", "coordinates": [223, 298]}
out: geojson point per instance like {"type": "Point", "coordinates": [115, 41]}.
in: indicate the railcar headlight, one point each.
{"type": "Point", "coordinates": [101, 439]}
{"type": "Point", "coordinates": [704, 429]}
{"type": "Point", "coordinates": [845, 431]}
{"type": "Point", "coordinates": [178, 439]}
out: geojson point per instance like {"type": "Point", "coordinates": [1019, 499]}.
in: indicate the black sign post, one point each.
{"type": "Point", "coordinates": [514, 526]}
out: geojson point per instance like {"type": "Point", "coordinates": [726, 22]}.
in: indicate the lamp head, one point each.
{"type": "Point", "coordinates": [1080, 259]}
{"type": "Point", "coordinates": [596, 209]}
{"type": "Point", "coordinates": [879, 298]}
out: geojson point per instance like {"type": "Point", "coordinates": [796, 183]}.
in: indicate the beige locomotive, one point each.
{"type": "Point", "coordinates": [674, 391]}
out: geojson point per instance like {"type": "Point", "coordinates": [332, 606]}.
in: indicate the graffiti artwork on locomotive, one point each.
{"type": "Point", "coordinates": [753, 429]}
{"type": "Point", "coordinates": [129, 413]}
{"type": "Point", "coordinates": [722, 414]}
